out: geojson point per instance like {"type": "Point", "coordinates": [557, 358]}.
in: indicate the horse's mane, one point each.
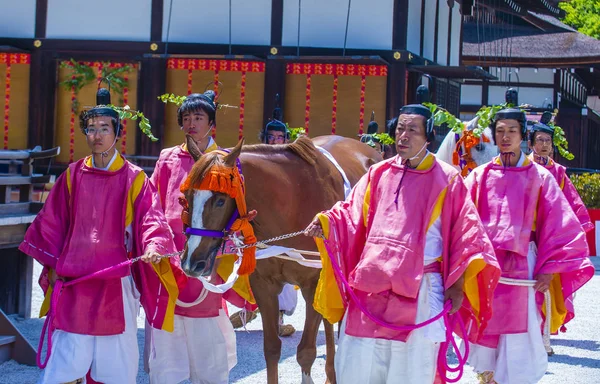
{"type": "Point", "coordinates": [303, 147]}
{"type": "Point", "coordinates": [204, 163]}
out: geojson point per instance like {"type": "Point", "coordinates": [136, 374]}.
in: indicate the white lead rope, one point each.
{"type": "Point", "coordinates": [547, 303]}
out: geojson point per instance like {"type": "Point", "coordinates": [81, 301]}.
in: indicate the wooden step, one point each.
{"type": "Point", "coordinates": [6, 346]}
{"type": "Point", "coordinates": [13, 345]}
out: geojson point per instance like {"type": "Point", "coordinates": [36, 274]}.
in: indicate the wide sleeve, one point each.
{"type": "Point", "coordinates": [562, 250]}
{"type": "Point", "coordinates": [45, 237]}
{"type": "Point", "coordinates": [344, 227]}
{"type": "Point", "coordinates": [159, 179]}
{"type": "Point", "coordinates": [160, 283]}
{"type": "Point", "coordinates": [468, 252]}
{"type": "Point", "coordinates": [577, 204]}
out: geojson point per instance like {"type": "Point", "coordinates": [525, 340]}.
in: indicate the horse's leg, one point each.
{"type": "Point", "coordinates": [265, 293]}
{"type": "Point", "coordinates": [307, 349]}
{"type": "Point", "coordinates": [330, 351]}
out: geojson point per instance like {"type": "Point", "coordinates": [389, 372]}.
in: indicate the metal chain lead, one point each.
{"type": "Point", "coordinates": [271, 240]}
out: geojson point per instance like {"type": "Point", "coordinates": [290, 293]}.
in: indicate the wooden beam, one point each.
{"type": "Point", "coordinates": [396, 89]}
{"type": "Point", "coordinates": [485, 90]}
{"type": "Point", "coordinates": [274, 84]}
{"type": "Point", "coordinates": [152, 83]}
{"type": "Point", "coordinates": [423, 9]}
{"type": "Point", "coordinates": [450, 12]}
{"type": "Point", "coordinates": [41, 16]}
{"type": "Point", "coordinates": [42, 88]}
{"type": "Point", "coordinates": [156, 20]}
{"type": "Point", "coordinates": [276, 22]}
{"type": "Point", "coordinates": [400, 24]}
{"type": "Point", "coordinates": [437, 30]}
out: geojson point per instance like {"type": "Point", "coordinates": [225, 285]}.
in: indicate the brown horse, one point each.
{"type": "Point", "coordinates": [287, 185]}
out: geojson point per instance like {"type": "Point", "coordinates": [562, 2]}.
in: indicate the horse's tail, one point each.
{"type": "Point", "coordinates": [304, 147]}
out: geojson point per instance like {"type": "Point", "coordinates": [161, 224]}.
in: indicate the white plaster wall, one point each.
{"type": "Point", "coordinates": [93, 20]}
{"type": "Point", "coordinates": [17, 18]}
{"type": "Point", "coordinates": [413, 35]}
{"type": "Point", "coordinates": [207, 21]}
{"type": "Point", "coordinates": [470, 94]}
{"type": "Point", "coordinates": [524, 75]}
{"type": "Point", "coordinates": [323, 23]}
{"type": "Point", "coordinates": [538, 97]}
{"type": "Point", "coordinates": [456, 46]}
{"type": "Point", "coordinates": [442, 46]}
{"type": "Point", "coordinates": [429, 32]}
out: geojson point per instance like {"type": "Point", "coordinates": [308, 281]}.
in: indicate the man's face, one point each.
{"type": "Point", "coordinates": [196, 124]}
{"type": "Point", "coordinates": [275, 137]}
{"type": "Point", "coordinates": [410, 135]}
{"type": "Point", "coordinates": [100, 134]}
{"type": "Point", "coordinates": [508, 136]}
{"type": "Point", "coordinates": [542, 143]}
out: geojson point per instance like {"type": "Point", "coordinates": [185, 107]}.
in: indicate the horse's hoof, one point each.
{"type": "Point", "coordinates": [551, 352]}
{"type": "Point", "coordinates": [286, 330]}
{"type": "Point", "coordinates": [236, 318]}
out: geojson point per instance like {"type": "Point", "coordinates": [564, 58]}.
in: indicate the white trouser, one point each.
{"type": "Point", "coordinates": [202, 350]}
{"type": "Point", "coordinates": [521, 357]}
{"type": "Point", "coordinates": [112, 359]}
{"type": "Point", "coordinates": [288, 299]}
{"type": "Point", "coordinates": [378, 361]}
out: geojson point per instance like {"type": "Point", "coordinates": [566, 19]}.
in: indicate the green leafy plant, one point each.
{"type": "Point", "coordinates": [178, 100]}
{"type": "Point", "coordinates": [588, 186]}
{"type": "Point", "coordinates": [171, 98]}
{"type": "Point", "coordinates": [127, 113]}
{"type": "Point", "coordinates": [442, 116]}
{"type": "Point", "coordinates": [561, 143]}
{"type": "Point", "coordinates": [295, 132]}
{"type": "Point", "coordinates": [82, 75]}
{"type": "Point", "coordinates": [372, 139]}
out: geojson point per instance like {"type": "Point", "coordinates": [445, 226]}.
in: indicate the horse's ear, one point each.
{"type": "Point", "coordinates": [234, 154]}
{"type": "Point", "coordinates": [192, 148]}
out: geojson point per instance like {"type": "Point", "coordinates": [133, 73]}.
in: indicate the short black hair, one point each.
{"type": "Point", "coordinates": [199, 102]}
{"type": "Point", "coordinates": [85, 116]}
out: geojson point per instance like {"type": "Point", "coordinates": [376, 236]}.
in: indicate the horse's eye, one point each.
{"type": "Point", "coordinates": [220, 202]}
{"type": "Point", "coordinates": [479, 147]}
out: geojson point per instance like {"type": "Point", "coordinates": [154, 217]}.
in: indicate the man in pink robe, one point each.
{"type": "Point", "coordinates": [102, 211]}
{"type": "Point", "coordinates": [409, 239]}
{"type": "Point", "coordinates": [536, 237]}
{"type": "Point", "coordinates": [203, 346]}
{"type": "Point", "coordinates": [542, 137]}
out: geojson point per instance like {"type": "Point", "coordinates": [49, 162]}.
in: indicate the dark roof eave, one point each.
{"type": "Point", "coordinates": [539, 62]}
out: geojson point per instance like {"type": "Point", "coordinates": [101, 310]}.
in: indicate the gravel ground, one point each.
{"type": "Point", "coordinates": [577, 358]}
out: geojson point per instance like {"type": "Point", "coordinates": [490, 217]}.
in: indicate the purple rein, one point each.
{"type": "Point", "coordinates": [442, 360]}
{"type": "Point", "coordinates": [211, 233]}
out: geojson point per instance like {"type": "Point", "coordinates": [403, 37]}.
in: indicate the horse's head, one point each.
{"type": "Point", "coordinates": [210, 193]}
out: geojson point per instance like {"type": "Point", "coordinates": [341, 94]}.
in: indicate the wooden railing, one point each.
{"type": "Point", "coordinates": [21, 197]}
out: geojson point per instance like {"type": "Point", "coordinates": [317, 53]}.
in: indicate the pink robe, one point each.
{"type": "Point", "coordinates": [81, 229]}
{"type": "Point", "coordinates": [170, 172]}
{"type": "Point", "coordinates": [516, 205]}
{"type": "Point", "coordinates": [560, 175]}
{"type": "Point", "coordinates": [382, 246]}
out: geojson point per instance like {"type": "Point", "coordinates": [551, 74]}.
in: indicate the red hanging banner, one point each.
{"type": "Point", "coordinates": [242, 105]}
{"type": "Point", "coordinates": [189, 83]}
{"type": "Point", "coordinates": [334, 108]}
{"type": "Point", "coordinates": [338, 69]}
{"type": "Point", "coordinates": [363, 83]}
{"type": "Point", "coordinates": [124, 122]}
{"type": "Point", "coordinates": [212, 65]}
{"type": "Point", "coordinates": [307, 105]}
{"type": "Point", "coordinates": [6, 104]}
{"type": "Point", "coordinates": [72, 126]}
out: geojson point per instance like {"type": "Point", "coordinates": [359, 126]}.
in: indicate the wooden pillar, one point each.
{"type": "Point", "coordinates": [42, 95]}
{"type": "Point", "coordinates": [152, 83]}
{"type": "Point", "coordinates": [396, 89]}
{"type": "Point", "coordinates": [274, 84]}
